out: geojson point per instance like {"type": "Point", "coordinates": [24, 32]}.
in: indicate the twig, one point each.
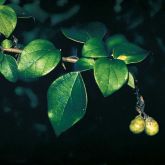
{"type": "Point", "coordinates": [71, 59]}
{"type": "Point", "coordinates": [12, 50]}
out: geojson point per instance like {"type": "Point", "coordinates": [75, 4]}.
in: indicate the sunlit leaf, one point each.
{"type": "Point", "coordinates": [94, 48]}
{"type": "Point", "coordinates": [67, 101]}
{"type": "Point", "coordinates": [8, 20]}
{"type": "Point", "coordinates": [83, 33]}
{"type": "Point", "coordinates": [84, 64]}
{"type": "Point", "coordinates": [37, 59]}
{"type": "Point", "coordinates": [129, 53]}
{"type": "Point", "coordinates": [131, 81]}
{"type": "Point", "coordinates": [8, 67]}
{"type": "Point", "coordinates": [110, 75]}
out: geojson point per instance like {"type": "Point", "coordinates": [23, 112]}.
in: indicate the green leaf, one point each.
{"type": "Point", "coordinates": [2, 2]}
{"type": "Point", "coordinates": [94, 48]}
{"type": "Point", "coordinates": [8, 20]}
{"type": "Point", "coordinates": [114, 41]}
{"type": "Point", "coordinates": [83, 33]}
{"type": "Point", "coordinates": [67, 101]}
{"type": "Point", "coordinates": [84, 64]}
{"type": "Point", "coordinates": [131, 81]}
{"type": "Point", "coordinates": [129, 53]}
{"type": "Point", "coordinates": [110, 75]}
{"type": "Point", "coordinates": [37, 59]}
{"type": "Point", "coordinates": [8, 67]}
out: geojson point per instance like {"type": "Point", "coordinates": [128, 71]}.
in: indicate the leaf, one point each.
{"type": "Point", "coordinates": [2, 2]}
{"type": "Point", "coordinates": [67, 101]}
{"type": "Point", "coordinates": [129, 53]}
{"type": "Point", "coordinates": [83, 33]}
{"type": "Point", "coordinates": [131, 81]}
{"type": "Point", "coordinates": [37, 59]}
{"type": "Point", "coordinates": [8, 20]}
{"type": "Point", "coordinates": [84, 64]}
{"type": "Point", "coordinates": [110, 75]}
{"type": "Point", "coordinates": [8, 67]}
{"type": "Point", "coordinates": [114, 41]}
{"type": "Point", "coordinates": [94, 48]}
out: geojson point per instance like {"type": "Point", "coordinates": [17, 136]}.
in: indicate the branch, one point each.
{"type": "Point", "coordinates": [12, 50]}
{"type": "Point", "coordinates": [71, 59]}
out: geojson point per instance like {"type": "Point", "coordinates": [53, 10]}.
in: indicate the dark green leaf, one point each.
{"type": "Point", "coordinates": [131, 81]}
{"type": "Point", "coordinates": [110, 75]}
{"type": "Point", "coordinates": [37, 59]}
{"type": "Point", "coordinates": [84, 64]}
{"type": "Point", "coordinates": [94, 48]}
{"type": "Point", "coordinates": [2, 2]}
{"type": "Point", "coordinates": [67, 101]}
{"type": "Point", "coordinates": [114, 41]}
{"type": "Point", "coordinates": [83, 33]}
{"type": "Point", "coordinates": [8, 20]}
{"type": "Point", "coordinates": [8, 67]}
{"type": "Point", "coordinates": [129, 53]}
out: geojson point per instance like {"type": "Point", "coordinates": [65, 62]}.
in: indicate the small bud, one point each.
{"type": "Point", "coordinates": [137, 125]}
{"type": "Point", "coordinates": [6, 43]}
{"type": "Point", "coordinates": [152, 126]}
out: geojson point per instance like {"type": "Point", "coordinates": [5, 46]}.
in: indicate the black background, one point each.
{"type": "Point", "coordinates": [102, 137]}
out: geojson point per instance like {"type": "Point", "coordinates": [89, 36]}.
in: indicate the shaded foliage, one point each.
{"type": "Point", "coordinates": [27, 136]}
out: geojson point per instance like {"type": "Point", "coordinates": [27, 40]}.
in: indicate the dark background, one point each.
{"type": "Point", "coordinates": [102, 137]}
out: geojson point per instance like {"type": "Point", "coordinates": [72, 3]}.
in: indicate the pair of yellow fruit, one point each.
{"type": "Point", "coordinates": [149, 125]}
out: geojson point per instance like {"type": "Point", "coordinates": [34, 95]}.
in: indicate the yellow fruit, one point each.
{"type": "Point", "coordinates": [137, 125]}
{"type": "Point", "coordinates": [152, 126]}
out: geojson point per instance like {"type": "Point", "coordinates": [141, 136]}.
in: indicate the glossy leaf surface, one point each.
{"type": "Point", "coordinates": [84, 64]}
{"type": "Point", "coordinates": [129, 53]}
{"type": "Point", "coordinates": [8, 67]}
{"type": "Point", "coordinates": [37, 59]}
{"type": "Point", "coordinates": [8, 20]}
{"type": "Point", "coordinates": [83, 33]}
{"type": "Point", "coordinates": [110, 75]}
{"type": "Point", "coordinates": [67, 101]}
{"type": "Point", "coordinates": [94, 48]}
